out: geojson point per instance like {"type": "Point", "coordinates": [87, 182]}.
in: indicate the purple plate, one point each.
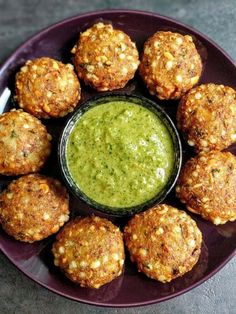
{"type": "Point", "coordinates": [133, 288]}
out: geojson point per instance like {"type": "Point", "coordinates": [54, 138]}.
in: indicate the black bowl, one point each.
{"type": "Point", "coordinates": [152, 106]}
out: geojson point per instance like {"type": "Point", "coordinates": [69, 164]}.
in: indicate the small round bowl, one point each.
{"type": "Point", "coordinates": [152, 106]}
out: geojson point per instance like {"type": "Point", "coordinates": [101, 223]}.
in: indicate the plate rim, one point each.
{"type": "Point", "coordinates": [43, 31]}
{"type": "Point", "coordinates": [106, 11]}
{"type": "Point", "coordinates": [120, 305]}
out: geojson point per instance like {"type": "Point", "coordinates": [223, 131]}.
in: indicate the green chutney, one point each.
{"type": "Point", "coordinates": [120, 154]}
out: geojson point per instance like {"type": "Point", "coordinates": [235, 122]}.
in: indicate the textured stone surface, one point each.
{"type": "Point", "coordinates": [21, 19]}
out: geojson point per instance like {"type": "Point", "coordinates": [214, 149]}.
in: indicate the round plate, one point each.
{"type": "Point", "coordinates": [132, 288]}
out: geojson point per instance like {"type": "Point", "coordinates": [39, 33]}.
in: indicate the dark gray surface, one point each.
{"type": "Point", "coordinates": [21, 19]}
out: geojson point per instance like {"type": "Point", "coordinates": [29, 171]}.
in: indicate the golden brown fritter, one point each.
{"type": "Point", "coordinates": [90, 251]}
{"type": "Point", "coordinates": [24, 143]}
{"type": "Point", "coordinates": [207, 185]}
{"type": "Point", "coordinates": [33, 207]}
{"type": "Point", "coordinates": [164, 242]}
{"type": "Point", "coordinates": [207, 117]}
{"type": "Point", "coordinates": [170, 64]}
{"type": "Point", "coordinates": [47, 88]}
{"type": "Point", "coordinates": [105, 58]}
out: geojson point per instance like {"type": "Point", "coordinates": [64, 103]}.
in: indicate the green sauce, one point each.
{"type": "Point", "coordinates": [120, 154]}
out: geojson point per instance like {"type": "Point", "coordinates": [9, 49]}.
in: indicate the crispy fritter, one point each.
{"type": "Point", "coordinates": [164, 242]}
{"type": "Point", "coordinates": [170, 64]}
{"type": "Point", "coordinates": [207, 186]}
{"type": "Point", "coordinates": [207, 117]}
{"type": "Point", "coordinates": [105, 58]}
{"type": "Point", "coordinates": [24, 143]}
{"type": "Point", "coordinates": [47, 88]}
{"type": "Point", "coordinates": [33, 207]}
{"type": "Point", "coordinates": [90, 251]}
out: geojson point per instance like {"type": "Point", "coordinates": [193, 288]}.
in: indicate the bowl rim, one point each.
{"type": "Point", "coordinates": [139, 100]}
